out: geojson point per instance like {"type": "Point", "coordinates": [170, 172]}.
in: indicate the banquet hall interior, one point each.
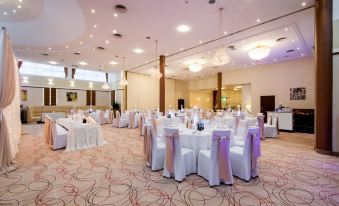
{"type": "Point", "coordinates": [169, 102]}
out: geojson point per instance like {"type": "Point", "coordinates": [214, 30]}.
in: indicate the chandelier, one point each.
{"type": "Point", "coordinates": [156, 74]}
{"type": "Point", "coordinates": [221, 58]}
{"type": "Point", "coordinates": [123, 80]}
{"type": "Point", "coordinates": [259, 52]}
{"type": "Point", "coordinates": [195, 67]}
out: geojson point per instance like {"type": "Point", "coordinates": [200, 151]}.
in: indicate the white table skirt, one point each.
{"type": "Point", "coordinates": [53, 115]}
{"type": "Point", "coordinates": [81, 135]}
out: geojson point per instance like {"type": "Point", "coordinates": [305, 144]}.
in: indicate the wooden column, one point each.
{"type": "Point", "coordinates": [219, 90]}
{"type": "Point", "coordinates": [162, 85]}
{"type": "Point", "coordinates": [324, 75]}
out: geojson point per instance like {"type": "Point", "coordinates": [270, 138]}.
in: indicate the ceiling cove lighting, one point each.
{"type": "Point", "coordinates": [183, 28]}
{"type": "Point", "coordinates": [195, 67]}
{"type": "Point", "coordinates": [221, 58]}
{"type": "Point", "coordinates": [259, 52]}
{"type": "Point", "coordinates": [156, 74]}
{"type": "Point", "coordinates": [138, 51]}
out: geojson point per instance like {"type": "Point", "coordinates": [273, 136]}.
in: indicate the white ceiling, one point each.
{"type": "Point", "coordinates": [65, 26]}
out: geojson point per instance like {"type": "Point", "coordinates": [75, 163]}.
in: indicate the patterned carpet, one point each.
{"type": "Point", "coordinates": [291, 173]}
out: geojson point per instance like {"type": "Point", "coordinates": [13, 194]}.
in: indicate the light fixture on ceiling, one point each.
{"type": "Point", "coordinates": [19, 6]}
{"type": "Point", "coordinates": [195, 67]}
{"type": "Point", "coordinates": [123, 80]}
{"type": "Point", "coordinates": [72, 83]}
{"type": "Point", "coordinates": [90, 85]}
{"type": "Point", "coordinates": [50, 81]}
{"type": "Point", "coordinates": [113, 63]}
{"type": "Point", "coordinates": [53, 62]}
{"type": "Point", "coordinates": [25, 80]}
{"type": "Point", "coordinates": [220, 58]}
{"type": "Point", "coordinates": [303, 4]}
{"type": "Point", "coordinates": [259, 52]}
{"type": "Point", "coordinates": [183, 28]}
{"type": "Point", "coordinates": [83, 63]}
{"type": "Point", "coordinates": [92, 11]}
{"type": "Point", "coordinates": [138, 51]}
{"type": "Point", "coordinates": [156, 74]}
{"type": "Point", "coordinates": [106, 85]}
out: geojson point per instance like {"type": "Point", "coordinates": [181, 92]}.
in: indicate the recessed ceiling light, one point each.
{"type": "Point", "coordinates": [114, 31]}
{"type": "Point", "coordinates": [67, 46]}
{"type": "Point", "coordinates": [292, 40]}
{"type": "Point", "coordinates": [200, 42]}
{"type": "Point", "coordinates": [107, 42]}
{"type": "Point", "coordinates": [95, 26]}
{"type": "Point", "coordinates": [302, 54]}
{"type": "Point", "coordinates": [225, 32]}
{"type": "Point", "coordinates": [298, 48]}
{"type": "Point", "coordinates": [303, 4]}
{"type": "Point", "coordinates": [83, 63]}
{"type": "Point", "coordinates": [286, 29]}
{"type": "Point", "coordinates": [20, 1]}
{"type": "Point", "coordinates": [19, 6]}
{"type": "Point", "coordinates": [138, 51]}
{"type": "Point", "coordinates": [181, 49]}
{"type": "Point", "coordinates": [115, 15]}
{"type": "Point", "coordinates": [80, 43]}
{"type": "Point", "coordinates": [90, 36]}
{"type": "Point", "coordinates": [14, 11]}
{"type": "Point", "coordinates": [49, 48]}
{"type": "Point", "coordinates": [5, 13]}
{"type": "Point", "coordinates": [53, 62]}
{"type": "Point", "coordinates": [113, 63]}
{"type": "Point", "coordinates": [92, 11]}
{"type": "Point", "coordinates": [258, 20]}
{"type": "Point", "coordinates": [183, 28]}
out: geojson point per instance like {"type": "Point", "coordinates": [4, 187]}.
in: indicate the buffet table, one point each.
{"type": "Point", "coordinates": [81, 135]}
{"type": "Point", "coordinates": [285, 120]}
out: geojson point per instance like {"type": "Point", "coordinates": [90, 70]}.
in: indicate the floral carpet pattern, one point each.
{"type": "Point", "coordinates": [291, 173]}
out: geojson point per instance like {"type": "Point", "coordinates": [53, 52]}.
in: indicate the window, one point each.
{"type": "Point", "coordinates": [30, 68]}
{"type": "Point", "coordinates": [90, 75]}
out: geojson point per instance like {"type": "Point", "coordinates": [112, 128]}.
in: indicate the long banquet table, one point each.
{"type": "Point", "coordinates": [81, 135]}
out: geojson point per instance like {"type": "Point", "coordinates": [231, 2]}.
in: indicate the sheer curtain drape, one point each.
{"type": "Point", "coordinates": [10, 125]}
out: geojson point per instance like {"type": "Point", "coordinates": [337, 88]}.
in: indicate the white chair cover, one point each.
{"type": "Point", "coordinates": [179, 161]}
{"type": "Point", "coordinates": [120, 122]}
{"type": "Point", "coordinates": [215, 164]}
{"type": "Point", "coordinates": [273, 129]}
{"type": "Point", "coordinates": [154, 150]}
{"type": "Point", "coordinates": [59, 136]}
{"type": "Point", "coordinates": [244, 158]}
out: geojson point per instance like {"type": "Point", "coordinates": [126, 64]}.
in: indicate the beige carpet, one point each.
{"type": "Point", "coordinates": [291, 173]}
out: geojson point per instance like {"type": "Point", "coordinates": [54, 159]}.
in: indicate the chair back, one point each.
{"type": "Point", "coordinates": [275, 122]}
{"type": "Point", "coordinates": [242, 128]}
{"type": "Point", "coordinates": [131, 120]}
{"type": "Point", "coordinates": [220, 152]}
{"type": "Point", "coordinates": [173, 147]}
{"type": "Point", "coordinates": [252, 148]}
{"type": "Point", "coordinates": [261, 119]}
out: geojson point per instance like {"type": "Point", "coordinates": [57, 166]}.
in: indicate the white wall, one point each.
{"type": "Point", "coordinates": [103, 98]}
{"type": "Point", "coordinates": [62, 100]}
{"type": "Point", "coordinates": [35, 96]}
{"type": "Point", "coordinates": [335, 135]}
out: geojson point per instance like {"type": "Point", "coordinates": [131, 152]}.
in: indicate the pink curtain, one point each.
{"type": "Point", "coordinates": [7, 93]}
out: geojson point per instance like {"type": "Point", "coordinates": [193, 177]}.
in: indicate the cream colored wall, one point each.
{"type": "Point", "coordinates": [103, 98]}
{"type": "Point", "coordinates": [143, 92]}
{"type": "Point", "coordinates": [203, 84]}
{"type": "Point", "coordinates": [277, 79]}
{"type": "Point", "coordinates": [201, 99]}
{"type": "Point", "coordinates": [335, 136]}
{"type": "Point", "coordinates": [181, 91]}
{"type": "Point", "coordinates": [236, 97]}
{"type": "Point", "coordinates": [35, 96]}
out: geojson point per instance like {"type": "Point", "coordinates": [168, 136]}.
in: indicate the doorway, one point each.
{"type": "Point", "coordinates": [267, 104]}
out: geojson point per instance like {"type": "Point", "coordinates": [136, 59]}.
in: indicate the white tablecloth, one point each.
{"type": "Point", "coordinates": [53, 115]}
{"type": "Point", "coordinates": [81, 135]}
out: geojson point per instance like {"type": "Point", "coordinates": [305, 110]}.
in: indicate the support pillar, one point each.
{"type": "Point", "coordinates": [219, 90]}
{"type": "Point", "coordinates": [324, 75]}
{"type": "Point", "coordinates": [162, 85]}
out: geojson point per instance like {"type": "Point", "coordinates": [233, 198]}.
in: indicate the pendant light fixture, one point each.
{"type": "Point", "coordinates": [220, 58]}
{"type": "Point", "coordinates": [123, 80]}
{"type": "Point", "coordinates": [156, 74]}
{"type": "Point", "coordinates": [106, 85]}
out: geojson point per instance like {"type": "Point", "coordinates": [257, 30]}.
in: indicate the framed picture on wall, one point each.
{"type": "Point", "coordinates": [23, 95]}
{"type": "Point", "coordinates": [298, 93]}
{"type": "Point", "coordinates": [71, 96]}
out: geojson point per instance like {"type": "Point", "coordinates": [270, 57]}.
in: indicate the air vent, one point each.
{"type": "Point", "coordinates": [281, 39]}
{"type": "Point", "coordinates": [120, 8]}
{"type": "Point", "coordinates": [100, 48]}
{"type": "Point", "coordinates": [116, 56]}
{"type": "Point", "coordinates": [231, 47]}
{"type": "Point", "coordinates": [291, 50]}
{"type": "Point", "coordinates": [118, 35]}
{"type": "Point", "coordinates": [44, 54]}
{"type": "Point", "coordinates": [148, 37]}
{"type": "Point", "coordinates": [77, 53]}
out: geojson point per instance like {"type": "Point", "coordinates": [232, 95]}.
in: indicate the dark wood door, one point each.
{"type": "Point", "coordinates": [267, 104]}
